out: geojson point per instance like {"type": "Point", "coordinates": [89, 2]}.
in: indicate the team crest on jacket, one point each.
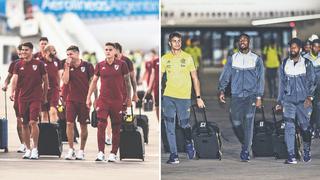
{"type": "Point", "coordinates": [116, 67]}
{"type": "Point", "coordinates": [34, 67]}
{"type": "Point", "coordinates": [83, 69]}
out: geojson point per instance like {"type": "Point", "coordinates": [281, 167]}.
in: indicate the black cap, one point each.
{"type": "Point", "coordinates": [296, 41]}
{"type": "Point", "coordinates": [316, 41]}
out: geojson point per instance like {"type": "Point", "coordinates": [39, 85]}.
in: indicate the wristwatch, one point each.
{"type": "Point", "coordinates": [198, 97]}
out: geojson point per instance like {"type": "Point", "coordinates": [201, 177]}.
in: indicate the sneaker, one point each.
{"type": "Point", "coordinates": [100, 156]}
{"type": "Point", "coordinates": [27, 154]}
{"type": "Point", "coordinates": [307, 156]}
{"type": "Point", "coordinates": [108, 141]}
{"type": "Point", "coordinates": [34, 154]}
{"type": "Point", "coordinates": [70, 155]}
{"type": "Point", "coordinates": [80, 155]}
{"type": "Point", "coordinates": [173, 159]}
{"type": "Point", "coordinates": [245, 156]}
{"type": "Point", "coordinates": [112, 157]}
{"type": "Point", "coordinates": [190, 150]}
{"type": "Point", "coordinates": [22, 149]}
{"type": "Point", "coordinates": [291, 159]}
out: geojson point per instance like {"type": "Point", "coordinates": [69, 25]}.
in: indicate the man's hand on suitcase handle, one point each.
{"type": "Point", "coordinates": [200, 103]}
{"type": "Point", "coordinates": [278, 107]}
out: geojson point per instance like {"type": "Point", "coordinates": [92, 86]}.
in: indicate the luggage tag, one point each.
{"type": "Point", "coordinates": [261, 124]}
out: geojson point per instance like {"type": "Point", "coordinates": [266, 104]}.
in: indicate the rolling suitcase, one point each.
{"type": "Point", "coordinates": [278, 139]}
{"type": "Point", "coordinates": [49, 139]}
{"type": "Point", "coordinates": [262, 136]}
{"type": "Point", "coordinates": [206, 136]}
{"type": "Point", "coordinates": [131, 139]}
{"type": "Point", "coordinates": [143, 122]}
{"type": "Point", "coordinates": [180, 139]}
{"type": "Point", "coordinates": [4, 127]}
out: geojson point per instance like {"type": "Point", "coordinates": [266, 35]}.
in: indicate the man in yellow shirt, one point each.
{"type": "Point", "coordinates": [180, 70]}
{"type": "Point", "coordinates": [272, 54]}
{"type": "Point", "coordinates": [195, 51]}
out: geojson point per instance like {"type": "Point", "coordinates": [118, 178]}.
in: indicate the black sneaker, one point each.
{"type": "Point", "coordinates": [173, 159]}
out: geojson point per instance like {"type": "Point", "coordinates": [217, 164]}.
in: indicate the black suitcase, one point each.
{"type": "Point", "coordinates": [131, 139]}
{"type": "Point", "coordinates": [278, 139]}
{"type": "Point", "coordinates": [143, 122]}
{"type": "Point", "coordinates": [206, 136]}
{"type": "Point", "coordinates": [148, 103]}
{"type": "Point", "coordinates": [49, 139]}
{"type": "Point", "coordinates": [180, 139]}
{"type": "Point", "coordinates": [262, 136]}
{"type": "Point", "coordinates": [4, 128]}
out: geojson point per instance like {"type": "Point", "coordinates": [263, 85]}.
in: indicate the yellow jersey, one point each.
{"type": "Point", "coordinates": [177, 68]}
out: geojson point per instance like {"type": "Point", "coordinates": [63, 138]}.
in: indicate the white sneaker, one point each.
{"type": "Point", "coordinates": [34, 154]}
{"type": "Point", "coordinates": [80, 155]}
{"type": "Point", "coordinates": [27, 154]}
{"type": "Point", "coordinates": [100, 156]}
{"type": "Point", "coordinates": [70, 155]}
{"type": "Point", "coordinates": [108, 141]}
{"type": "Point", "coordinates": [22, 149]}
{"type": "Point", "coordinates": [112, 157]}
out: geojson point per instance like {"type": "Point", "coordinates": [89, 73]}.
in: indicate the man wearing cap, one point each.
{"type": "Point", "coordinates": [246, 72]}
{"type": "Point", "coordinates": [296, 91]}
{"type": "Point", "coordinates": [306, 47]}
{"type": "Point", "coordinates": [314, 57]}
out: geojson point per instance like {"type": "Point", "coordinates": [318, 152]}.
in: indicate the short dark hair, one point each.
{"type": "Point", "coordinates": [118, 47]}
{"type": "Point", "coordinates": [19, 47]}
{"type": "Point", "coordinates": [111, 44]}
{"type": "Point", "coordinates": [174, 34]}
{"type": "Point", "coordinates": [28, 44]}
{"type": "Point", "coordinates": [244, 35]}
{"type": "Point", "coordinates": [43, 39]}
{"type": "Point", "coordinates": [296, 41]}
{"type": "Point", "coordinates": [73, 48]}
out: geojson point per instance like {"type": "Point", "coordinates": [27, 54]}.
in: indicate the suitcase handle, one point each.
{"type": "Point", "coordinates": [275, 120]}
{"type": "Point", "coordinates": [262, 112]}
{"type": "Point", "coordinates": [204, 116]}
{"type": "Point", "coordinates": [5, 105]}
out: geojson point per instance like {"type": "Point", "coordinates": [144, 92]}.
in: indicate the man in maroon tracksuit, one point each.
{"type": "Point", "coordinates": [31, 75]}
{"type": "Point", "coordinates": [43, 41]}
{"type": "Point", "coordinates": [22, 147]}
{"type": "Point", "coordinates": [77, 75]}
{"type": "Point", "coordinates": [53, 67]}
{"type": "Point", "coordinates": [112, 73]}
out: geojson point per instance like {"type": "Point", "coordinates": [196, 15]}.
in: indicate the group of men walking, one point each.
{"type": "Point", "coordinates": [39, 80]}
{"type": "Point", "coordinates": [298, 97]}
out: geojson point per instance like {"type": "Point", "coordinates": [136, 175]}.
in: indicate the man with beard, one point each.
{"type": "Point", "coordinates": [54, 70]}
{"type": "Point", "coordinates": [314, 57]}
{"type": "Point", "coordinates": [246, 72]}
{"type": "Point", "coordinates": [296, 90]}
